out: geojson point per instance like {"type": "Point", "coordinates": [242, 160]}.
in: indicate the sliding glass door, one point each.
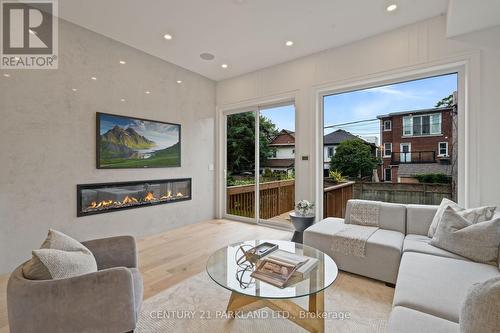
{"type": "Point", "coordinates": [260, 164]}
{"type": "Point", "coordinates": [240, 164]}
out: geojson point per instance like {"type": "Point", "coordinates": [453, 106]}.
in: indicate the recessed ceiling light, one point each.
{"type": "Point", "coordinates": [147, 92]}
{"type": "Point", "coordinates": [122, 100]}
{"type": "Point", "coordinates": [74, 89]}
{"type": "Point", "coordinates": [167, 36]}
{"type": "Point", "coordinates": [179, 81]}
{"type": "Point", "coordinates": [392, 7]}
{"type": "Point", "coordinates": [6, 75]}
{"type": "Point", "coordinates": [123, 62]}
{"type": "Point", "coordinates": [289, 43]}
{"type": "Point", "coordinates": [207, 56]}
{"type": "Point", "coordinates": [93, 78]}
{"type": "Point", "coordinates": [224, 66]}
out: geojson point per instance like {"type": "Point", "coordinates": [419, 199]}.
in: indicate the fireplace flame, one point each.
{"type": "Point", "coordinates": [149, 197]}
{"type": "Point", "coordinates": [130, 200]}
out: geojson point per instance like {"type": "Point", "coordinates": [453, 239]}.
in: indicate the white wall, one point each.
{"type": "Point", "coordinates": [47, 141]}
{"type": "Point", "coordinates": [413, 47]}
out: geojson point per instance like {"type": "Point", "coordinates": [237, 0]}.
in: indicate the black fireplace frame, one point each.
{"type": "Point", "coordinates": [80, 187]}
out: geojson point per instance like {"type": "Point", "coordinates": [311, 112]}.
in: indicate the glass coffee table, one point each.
{"type": "Point", "coordinates": [249, 294]}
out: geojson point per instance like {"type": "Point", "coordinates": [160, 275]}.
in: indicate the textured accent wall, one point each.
{"type": "Point", "coordinates": [47, 141]}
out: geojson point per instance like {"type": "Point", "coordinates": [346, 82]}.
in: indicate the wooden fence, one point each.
{"type": "Point", "coordinates": [335, 199]}
{"type": "Point", "coordinates": [419, 193]}
{"type": "Point", "coordinates": [276, 198]}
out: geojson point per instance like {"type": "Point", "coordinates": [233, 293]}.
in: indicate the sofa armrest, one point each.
{"type": "Point", "coordinates": [114, 251]}
{"type": "Point", "coordinates": [96, 302]}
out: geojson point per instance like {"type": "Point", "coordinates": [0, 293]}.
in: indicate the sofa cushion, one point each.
{"type": "Point", "coordinates": [59, 257]}
{"type": "Point", "coordinates": [474, 215]}
{"type": "Point", "coordinates": [391, 216]}
{"type": "Point", "coordinates": [383, 250]}
{"type": "Point", "coordinates": [421, 244]}
{"type": "Point", "coordinates": [480, 311]}
{"type": "Point", "coordinates": [138, 289]}
{"type": "Point", "coordinates": [437, 285]}
{"type": "Point", "coordinates": [476, 241]}
{"type": "Point", "coordinates": [405, 320]}
{"type": "Point", "coordinates": [419, 218]}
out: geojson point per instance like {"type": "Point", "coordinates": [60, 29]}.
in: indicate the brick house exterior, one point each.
{"type": "Point", "coordinates": [416, 142]}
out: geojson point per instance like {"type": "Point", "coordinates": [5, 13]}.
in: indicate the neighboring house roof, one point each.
{"type": "Point", "coordinates": [280, 163]}
{"type": "Point", "coordinates": [402, 113]}
{"type": "Point", "coordinates": [284, 138]}
{"type": "Point", "coordinates": [339, 136]}
{"type": "Point", "coordinates": [412, 169]}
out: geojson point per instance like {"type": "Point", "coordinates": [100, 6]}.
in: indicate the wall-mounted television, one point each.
{"type": "Point", "coordinates": [129, 142]}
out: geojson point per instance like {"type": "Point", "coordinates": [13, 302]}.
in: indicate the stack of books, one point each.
{"type": "Point", "coordinates": [280, 266]}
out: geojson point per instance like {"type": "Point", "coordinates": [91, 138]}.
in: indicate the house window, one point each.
{"type": "Point", "coordinates": [275, 153]}
{"type": "Point", "coordinates": [387, 125]}
{"type": "Point", "coordinates": [293, 151]}
{"type": "Point", "coordinates": [443, 149]}
{"type": "Point", "coordinates": [388, 149]}
{"type": "Point", "coordinates": [422, 125]}
{"type": "Point", "coordinates": [331, 151]}
{"type": "Point", "coordinates": [387, 175]}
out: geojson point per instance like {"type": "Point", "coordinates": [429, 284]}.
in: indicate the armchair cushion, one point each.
{"type": "Point", "coordinates": [59, 257]}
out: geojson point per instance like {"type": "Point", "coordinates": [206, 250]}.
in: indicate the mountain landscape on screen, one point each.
{"type": "Point", "coordinates": [135, 143]}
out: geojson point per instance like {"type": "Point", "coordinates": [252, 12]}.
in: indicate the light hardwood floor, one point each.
{"type": "Point", "coordinates": [170, 257]}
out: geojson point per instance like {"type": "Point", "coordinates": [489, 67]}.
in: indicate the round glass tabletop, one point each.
{"type": "Point", "coordinates": [223, 268]}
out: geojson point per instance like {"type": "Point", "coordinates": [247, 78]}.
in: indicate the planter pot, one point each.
{"type": "Point", "coordinates": [300, 223]}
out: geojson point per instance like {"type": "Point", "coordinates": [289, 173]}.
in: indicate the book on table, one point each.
{"type": "Point", "coordinates": [278, 267]}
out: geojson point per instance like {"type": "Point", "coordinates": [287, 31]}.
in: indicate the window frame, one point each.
{"type": "Point", "coordinates": [447, 149]}
{"type": "Point", "coordinates": [421, 116]}
{"type": "Point", "coordinates": [328, 149]}
{"type": "Point", "coordinates": [385, 150]}
{"type": "Point", "coordinates": [390, 125]}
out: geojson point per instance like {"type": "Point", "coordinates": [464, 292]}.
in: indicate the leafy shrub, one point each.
{"type": "Point", "coordinates": [434, 178]}
{"type": "Point", "coordinates": [336, 176]}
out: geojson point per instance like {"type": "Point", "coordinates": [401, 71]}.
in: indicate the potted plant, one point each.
{"type": "Point", "coordinates": [302, 218]}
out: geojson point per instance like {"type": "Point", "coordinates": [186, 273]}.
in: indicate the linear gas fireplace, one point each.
{"type": "Point", "coordinates": [110, 197]}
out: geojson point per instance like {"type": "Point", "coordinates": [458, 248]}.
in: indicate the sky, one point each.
{"type": "Point", "coordinates": [164, 135]}
{"type": "Point", "coordinates": [367, 104]}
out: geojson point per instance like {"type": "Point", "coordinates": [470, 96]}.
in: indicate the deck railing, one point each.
{"type": "Point", "coordinates": [335, 199]}
{"type": "Point", "coordinates": [276, 198]}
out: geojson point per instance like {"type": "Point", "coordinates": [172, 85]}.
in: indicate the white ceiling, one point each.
{"type": "Point", "coordinates": [245, 34]}
{"type": "Point", "coordinates": [465, 16]}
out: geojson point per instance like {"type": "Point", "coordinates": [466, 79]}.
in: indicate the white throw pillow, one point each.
{"type": "Point", "coordinates": [474, 215]}
{"type": "Point", "coordinates": [476, 241]}
{"type": "Point", "coordinates": [481, 307]}
{"type": "Point", "coordinates": [59, 257]}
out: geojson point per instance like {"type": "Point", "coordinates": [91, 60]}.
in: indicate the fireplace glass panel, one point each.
{"type": "Point", "coordinates": [101, 198]}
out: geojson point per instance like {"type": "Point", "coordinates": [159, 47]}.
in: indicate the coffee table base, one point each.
{"type": "Point", "coordinates": [311, 320]}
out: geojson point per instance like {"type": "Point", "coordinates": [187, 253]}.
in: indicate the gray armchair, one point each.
{"type": "Point", "coordinates": [108, 300]}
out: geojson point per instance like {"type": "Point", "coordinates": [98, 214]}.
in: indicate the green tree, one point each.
{"type": "Point", "coordinates": [353, 158]}
{"type": "Point", "coordinates": [241, 141]}
{"type": "Point", "coordinates": [446, 101]}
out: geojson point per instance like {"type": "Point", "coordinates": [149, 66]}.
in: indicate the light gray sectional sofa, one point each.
{"type": "Point", "coordinates": [431, 283]}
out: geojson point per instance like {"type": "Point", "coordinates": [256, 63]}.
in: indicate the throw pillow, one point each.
{"type": "Point", "coordinates": [474, 215]}
{"type": "Point", "coordinates": [59, 257]}
{"type": "Point", "coordinates": [478, 242]}
{"type": "Point", "coordinates": [480, 309]}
